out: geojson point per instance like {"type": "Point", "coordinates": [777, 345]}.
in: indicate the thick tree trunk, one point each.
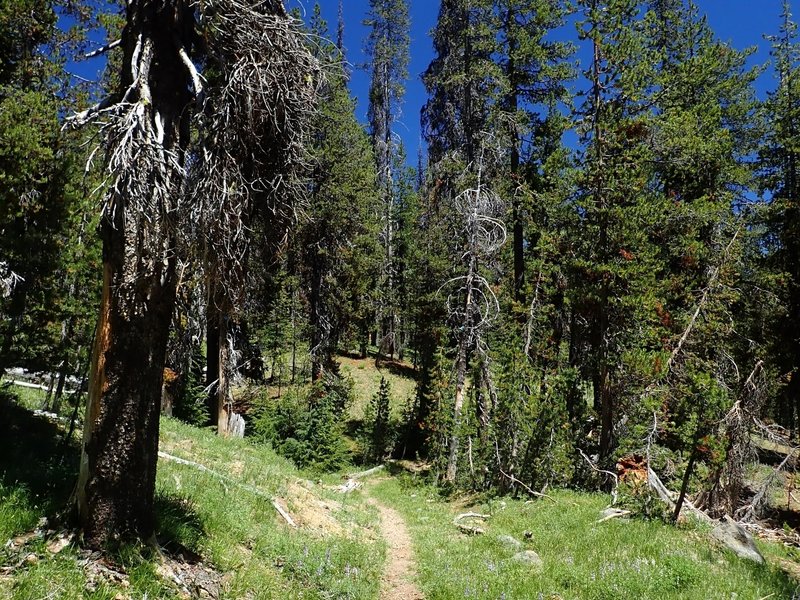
{"type": "Point", "coordinates": [116, 486]}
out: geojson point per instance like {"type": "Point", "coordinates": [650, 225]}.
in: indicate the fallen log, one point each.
{"type": "Point", "coordinates": [348, 486]}
{"type": "Point", "coordinates": [655, 483]}
{"type": "Point", "coordinates": [613, 513]}
{"type": "Point", "coordinates": [470, 529]}
{"type": "Point", "coordinates": [367, 473]}
{"type": "Point", "coordinates": [726, 531]}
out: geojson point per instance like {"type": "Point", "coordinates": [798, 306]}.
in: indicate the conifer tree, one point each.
{"type": "Point", "coordinates": [613, 273]}
{"type": "Point", "coordinates": [376, 424]}
{"type": "Point", "coordinates": [532, 74]}
{"type": "Point", "coordinates": [779, 176]}
{"type": "Point", "coordinates": [387, 47]}
{"type": "Point", "coordinates": [701, 142]}
{"type": "Point", "coordinates": [339, 241]}
{"type": "Point", "coordinates": [43, 229]}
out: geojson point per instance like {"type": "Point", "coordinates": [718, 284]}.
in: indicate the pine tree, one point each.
{"type": "Point", "coordinates": [613, 275]}
{"type": "Point", "coordinates": [702, 139]}
{"type": "Point", "coordinates": [376, 438]}
{"type": "Point", "coordinates": [532, 75]}
{"type": "Point", "coordinates": [387, 47]}
{"type": "Point", "coordinates": [459, 82]}
{"type": "Point", "coordinates": [778, 258]}
{"type": "Point", "coordinates": [339, 242]}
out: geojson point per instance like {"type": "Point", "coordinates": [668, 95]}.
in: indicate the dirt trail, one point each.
{"type": "Point", "coordinates": [397, 582]}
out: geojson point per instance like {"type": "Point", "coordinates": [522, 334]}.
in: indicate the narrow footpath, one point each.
{"type": "Point", "coordinates": [399, 575]}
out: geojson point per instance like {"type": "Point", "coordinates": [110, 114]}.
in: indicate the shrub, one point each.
{"type": "Point", "coordinates": [307, 426]}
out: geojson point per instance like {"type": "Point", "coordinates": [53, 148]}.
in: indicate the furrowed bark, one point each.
{"type": "Point", "coordinates": [116, 486]}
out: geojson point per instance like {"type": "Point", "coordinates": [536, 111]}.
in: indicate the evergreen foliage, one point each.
{"type": "Point", "coordinates": [376, 431]}
{"type": "Point", "coordinates": [308, 426]}
{"type": "Point", "coordinates": [594, 260]}
{"type": "Point", "coordinates": [337, 246]}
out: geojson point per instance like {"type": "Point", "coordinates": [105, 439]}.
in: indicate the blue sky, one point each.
{"type": "Point", "coordinates": [742, 23]}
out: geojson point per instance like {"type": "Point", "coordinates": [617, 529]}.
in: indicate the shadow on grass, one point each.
{"type": "Point", "coordinates": [180, 527]}
{"type": "Point", "coordinates": [33, 455]}
{"type": "Point", "coordinates": [396, 367]}
{"type": "Point", "coordinates": [775, 577]}
{"type": "Point", "coordinates": [35, 461]}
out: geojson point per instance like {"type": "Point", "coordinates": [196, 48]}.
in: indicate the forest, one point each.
{"type": "Point", "coordinates": [584, 280]}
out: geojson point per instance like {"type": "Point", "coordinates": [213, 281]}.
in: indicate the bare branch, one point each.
{"type": "Point", "coordinates": [614, 492]}
{"type": "Point", "coordinates": [196, 78]}
{"type": "Point", "coordinates": [102, 49]}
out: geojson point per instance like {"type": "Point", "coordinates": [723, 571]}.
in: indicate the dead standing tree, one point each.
{"type": "Point", "coordinates": [254, 148]}
{"type": "Point", "coordinates": [147, 126]}
{"type": "Point", "coordinates": [472, 306]}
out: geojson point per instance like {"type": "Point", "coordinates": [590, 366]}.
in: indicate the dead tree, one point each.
{"type": "Point", "coordinates": [254, 148]}
{"type": "Point", "coordinates": [147, 125]}
{"type": "Point", "coordinates": [472, 306]}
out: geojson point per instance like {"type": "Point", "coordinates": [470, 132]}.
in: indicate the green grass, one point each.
{"type": "Point", "coordinates": [366, 374]}
{"type": "Point", "coordinates": [336, 553]}
{"type": "Point", "coordinates": [30, 398]}
{"type": "Point", "coordinates": [582, 559]}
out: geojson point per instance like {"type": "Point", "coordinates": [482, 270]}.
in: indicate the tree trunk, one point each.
{"type": "Point", "coordinates": [512, 105]}
{"type": "Point", "coordinates": [116, 485]}
{"type": "Point", "coordinates": [59, 393]}
{"type": "Point", "coordinates": [319, 339]}
{"type": "Point", "coordinates": [458, 407]}
{"type": "Point", "coordinates": [461, 373]}
{"type": "Point", "coordinates": [212, 352]}
{"type": "Point", "coordinates": [225, 374]}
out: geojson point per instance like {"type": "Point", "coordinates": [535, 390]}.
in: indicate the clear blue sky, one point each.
{"type": "Point", "coordinates": [742, 23]}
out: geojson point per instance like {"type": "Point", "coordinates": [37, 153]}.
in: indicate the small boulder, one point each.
{"type": "Point", "coordinates": [510, 542]}
{"type": "Point", "coordinates": [529, 557]}
{"type": "Point", "coordinates": [736, 538]}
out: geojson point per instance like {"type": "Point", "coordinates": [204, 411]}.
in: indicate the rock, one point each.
{"type": "Point", "coordinates": [736, 539]}
{"type": "Point", "coordinates": [529, 557]}
{"type": "Point", "coordinates": [510, 542]}
{"type": "Point", "coordinates": [31, 559]}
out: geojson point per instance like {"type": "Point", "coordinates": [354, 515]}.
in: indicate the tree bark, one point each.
{"type": "Point", "coordinates": [227, 367]}
{"type": "Point", "coordinates": [461, 373]}
{"type": "Point", "coordinates": [116, 485]}
{"type": "Point", "coordinates": [212, 352]}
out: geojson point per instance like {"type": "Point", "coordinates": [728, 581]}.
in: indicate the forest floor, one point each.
{"type": "Point", "coordinates": [221, 535]}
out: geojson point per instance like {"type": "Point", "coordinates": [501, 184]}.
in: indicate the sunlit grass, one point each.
{"type": "Point", "coordinates": [582, 559]}
{"type": "Point", "coordinates": [237, 532]}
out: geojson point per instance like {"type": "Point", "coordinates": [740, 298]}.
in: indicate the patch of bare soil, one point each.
{"type": "Point", "coordinates": [397, 582]}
